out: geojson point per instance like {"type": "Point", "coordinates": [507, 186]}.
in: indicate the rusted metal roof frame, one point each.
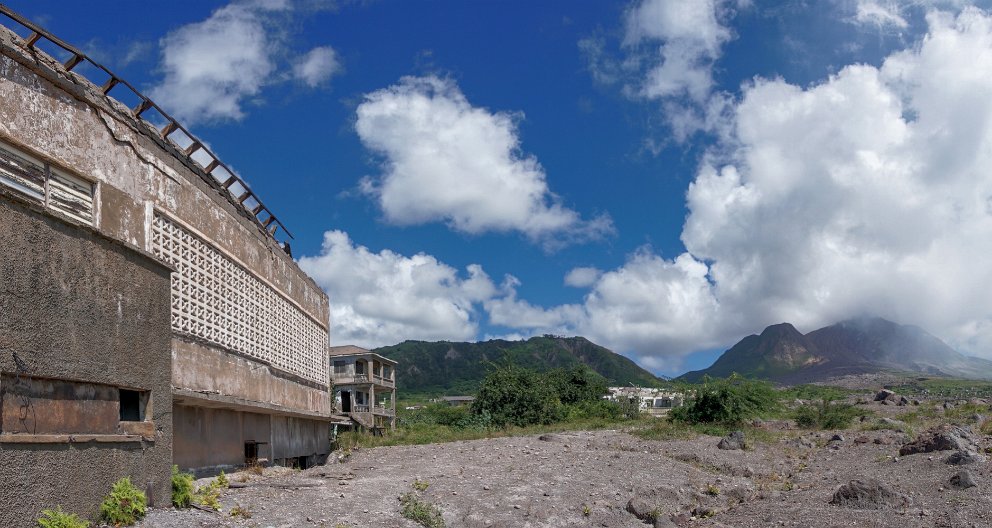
{"type": "Point", "coordinates": [171, 126]}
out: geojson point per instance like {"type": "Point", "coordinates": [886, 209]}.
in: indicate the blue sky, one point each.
{"type": "Point", "coordinates": [661, 176]}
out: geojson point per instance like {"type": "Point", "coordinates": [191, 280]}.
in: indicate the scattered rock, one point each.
{"type": "Point", "coordinates": [652, 504]}
{"type": "Point", "coordinates": [963, 479]}
{"type": "Point", "coordinates": [861, 440]}
{"type": "Point", "coordinates": [941, 438]}
{"type": "Point", "coordinates": [837, 438]}
{"type": "Point", "coordinates": [548, 438]}
{"type": "Point", "coordinates": [884, 395]}
{"type": "Point", "coordinates": [964, 458]}
{"type": "Point", "coordinates": [903, 400]}
{"type": "Point", "coordinates": [868, 495]}
{"type": "Point", "coordinates": [883, 440]}
{"type": "Point", "coordinates": [734, 440]}
{"type": "Point", "coordinates": [801, 442]}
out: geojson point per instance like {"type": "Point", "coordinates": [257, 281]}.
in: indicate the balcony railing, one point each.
{"type": "Point", "coordinates": [360, 408]}
{"type": "Point", "coordinates": [382, 409]}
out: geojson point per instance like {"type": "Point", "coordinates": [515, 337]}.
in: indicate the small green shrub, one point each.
{"type": "Point", "coordinates": [827, 415]}
{"type": "Point", "coordinates": [182, 488]}
{"type": "Point", "coordinates": [59, 519]}
{"type": "Point", "coordinates": [421, 511]}
{"type": "Point", "coordinates": [125, 505]}
{"type": "Point", "coordinates": [421, 485]}
{"type": "Point", "coordinates": [240, 512]}
{"type": "Point", "coordinates": [222, 480]}
{"type": "Point", "coordinates": [728, 401]}
{"type": "Point", "coordinates": [209, 495]}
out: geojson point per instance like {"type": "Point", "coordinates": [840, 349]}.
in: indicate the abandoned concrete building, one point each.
{"type": "Point", "coordinates": [655, 402]}
{"type": "Point", "coordinates": [150, 311]}
{"type": "Point", "coordinates": [364, 386]}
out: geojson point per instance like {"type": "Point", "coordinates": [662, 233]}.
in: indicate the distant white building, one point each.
{"type": "Point", "coordinates": [656, 402]}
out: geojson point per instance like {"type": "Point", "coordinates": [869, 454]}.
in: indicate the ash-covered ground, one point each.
{"type": "Point", "coordinates": [612, 478]}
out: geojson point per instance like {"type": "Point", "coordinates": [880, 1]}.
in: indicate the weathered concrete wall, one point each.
{"type": "Point", "coordinates": [70, 124]}
{"type": "Point", "coordinates": [296, 437]}
{"type": "Point", "coordinates": [210, 439]}
{"type": "Point", "coordinates": [201, 368]}
{"type": "Point", "coordinates": [74, 126]}
{"type": "Point", "coordinates": [77, 306]}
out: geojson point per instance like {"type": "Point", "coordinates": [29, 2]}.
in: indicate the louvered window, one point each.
{"type": "Point", "coordinates": [66, 194]}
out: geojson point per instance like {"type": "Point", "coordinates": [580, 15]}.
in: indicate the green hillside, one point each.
{"type": "Point", "coordinates": [457, 368]}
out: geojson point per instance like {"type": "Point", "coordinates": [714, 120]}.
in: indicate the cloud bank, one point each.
{"type": "Point", "coordinates": [869, 192]}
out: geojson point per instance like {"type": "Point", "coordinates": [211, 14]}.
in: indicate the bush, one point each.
{"type": "Point", "coordinates": [602, 409]}
{"type": "Point", "coordinates": [512, 395]}
{"type": "Point", "coordinates": [730, 401]}
{"type": "Point", "coordinates": [577, 384]}
{"type": "Point", "coordinates": [125, 505]}
{"type": "Point", "coordinates": [421, 512]}
{"type": "Point", "coordinates": [59, 519]}
{"type": "Point", "coordinates": [182, 488]}
{"type": "Point", "coordinates": [827, 415]}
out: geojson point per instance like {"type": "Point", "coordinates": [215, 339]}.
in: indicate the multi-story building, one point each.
{"type": "Point", "coordinates": [150, 311]}
{"type": "Point", "coordinates": [364, 386]}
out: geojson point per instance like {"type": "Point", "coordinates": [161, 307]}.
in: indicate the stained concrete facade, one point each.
{"type": "Point", "coordinates": [82, 316]}
{"type": "Point", "coordinates": [245, 360]}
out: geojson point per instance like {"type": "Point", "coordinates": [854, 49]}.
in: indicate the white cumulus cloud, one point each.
{"type": "Point", "coordinates": [213, 67]}
{"type": "Point", "coordinates": [384, 298]}
{"type": "Point", "coordinates": [447, 160]}
{"type": "Point", "coordinates": [317, 66]}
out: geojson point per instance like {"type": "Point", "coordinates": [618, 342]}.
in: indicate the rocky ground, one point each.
{"type": "Point", "coordinates": [790, 477]}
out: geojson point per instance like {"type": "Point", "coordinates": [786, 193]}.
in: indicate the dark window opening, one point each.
{"type": "Point", "coordinates": [131, 406]}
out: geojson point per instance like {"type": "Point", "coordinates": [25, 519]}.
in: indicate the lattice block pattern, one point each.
{"type": "Point", "coordinates": [214, 298]}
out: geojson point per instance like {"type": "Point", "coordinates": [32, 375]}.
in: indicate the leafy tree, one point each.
{"type": "Point", "coordinates": [512, 395]}
{"type": "Point", "coordinates": [728, 401]}
{"type": "Point", "coordinates": [577, 384]}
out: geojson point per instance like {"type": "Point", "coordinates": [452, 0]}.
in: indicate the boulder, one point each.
{"type": "Point", "coordinates": [884, 394]}
{"type": "Point", "coordinates": [734, 440]}
{"type": "Point", "coordinates": [941, 438]}
{"type": "Point", "coordinates": [963, 479]}
{"type": "Point", "coordinates": [868, 495]}
{"type": "Point", "coordinates": [801, 442]}
{"type": "Point", "coordinates": [656, 505]}
{"type": "Point", "coordinates": [964, 458]}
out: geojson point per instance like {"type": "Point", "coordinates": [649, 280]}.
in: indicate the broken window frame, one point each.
{"type": "Point", "coordinates": [59, 191]}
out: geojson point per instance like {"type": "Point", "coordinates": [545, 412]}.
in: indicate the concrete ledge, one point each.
{"type": "Point", "coordinates": [221, 401]}
{"type": "Point", "coordinates": [71, 439]}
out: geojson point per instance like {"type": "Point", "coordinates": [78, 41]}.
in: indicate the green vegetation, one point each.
{"type": "Point", "coordinates": [240, 513]}
{"type": "Point", "coordinates": [827, 415]}
{"type": "Point", "coordinates": [59, 519]}
{"type": "Point", "coordinates": [419, 510]}
{"type": "Point", "coordinates": [427, 368]}
{"type": "Point", "coordinates": [513, 401]}
{"type": "Point", "coordinates": [816, 392]}
{"type": "Point", "coordinates": [209, 495]}
{"type": "Point", "coordinates": [945, 388]}
{"type": "Point", "coordinates": [515, 396]}
{"type": "Point", "coordinates": [125, 505]}
{"type": "Point", "coordinates": [729, 401]}
{"type": "Point", "coordinates": [421, 485]}
{"type": "Point", "coordinates": [182, 488]}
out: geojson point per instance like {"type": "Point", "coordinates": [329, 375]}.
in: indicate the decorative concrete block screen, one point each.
{"type": "Point", "coordinates": [215, 299]}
